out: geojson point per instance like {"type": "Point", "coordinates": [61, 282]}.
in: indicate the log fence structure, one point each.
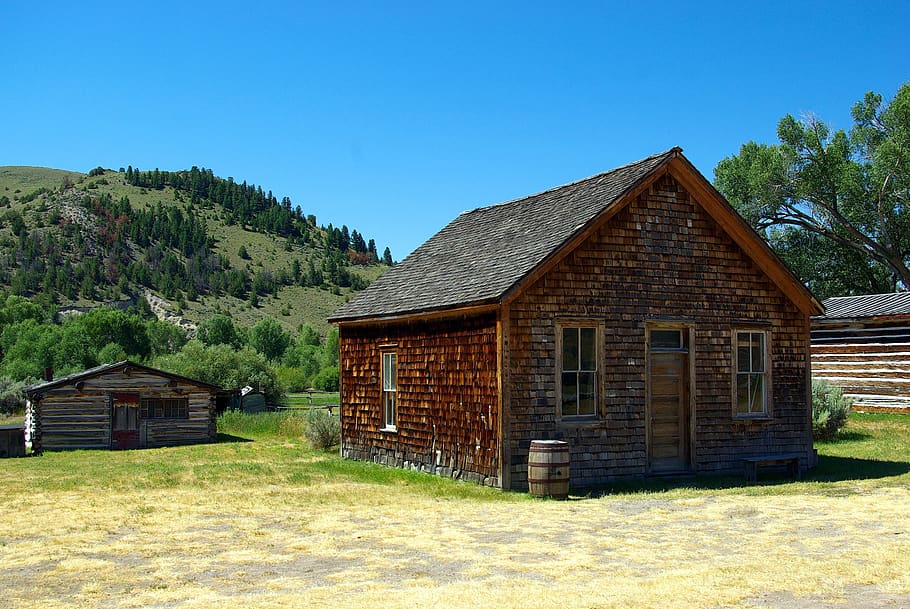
{"type": "Point", "coordinates": [633, 315]}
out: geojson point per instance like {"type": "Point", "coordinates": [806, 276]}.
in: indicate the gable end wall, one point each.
{"type": "Point", "coordinates": [661, 258]}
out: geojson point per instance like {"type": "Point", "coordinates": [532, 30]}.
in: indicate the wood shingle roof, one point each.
{"type": "Point", "coordinates": [483, 253]}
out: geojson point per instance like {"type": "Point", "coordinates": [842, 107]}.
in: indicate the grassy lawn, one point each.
{"type": "Point", "coordinates": [318, 398]}
{"type": "Point", "coordinates": [261, 520]}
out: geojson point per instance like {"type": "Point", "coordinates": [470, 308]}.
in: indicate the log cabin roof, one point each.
{"type": "Point", "coordinates": [126, 365]}
{"type": "Point", "coordinates": [486, 255]}
{"type": "Point", "coordinates": [870, 305]}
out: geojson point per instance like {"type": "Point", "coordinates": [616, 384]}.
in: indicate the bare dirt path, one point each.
{"type": "Point", "coordinates": [306, 547]}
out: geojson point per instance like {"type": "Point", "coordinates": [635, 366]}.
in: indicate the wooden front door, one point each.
{"type": "Point", "coordinates": [124, 421]}
{"type": "Point", "coordinates": [668, 407]}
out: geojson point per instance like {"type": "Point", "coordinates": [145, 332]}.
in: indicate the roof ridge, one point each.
{"type": "Point", "coordinates": [676, 150]}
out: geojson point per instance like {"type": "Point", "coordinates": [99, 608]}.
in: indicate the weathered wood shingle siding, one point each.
{"type": "Point", "coordinates": [663, 257]}
{"type": "Point", "coordinates": [447, 396]}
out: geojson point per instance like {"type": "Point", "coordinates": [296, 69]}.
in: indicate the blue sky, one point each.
{"type": "Point", "coordinates": [394, 117]}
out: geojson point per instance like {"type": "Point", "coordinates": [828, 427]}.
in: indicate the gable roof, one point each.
{"type": "Point", "coordinates": [485, 255]}
{"type": "Point", "coordinates": [39, 388]}
{"type": "Point", "coordinates": [871, 305]}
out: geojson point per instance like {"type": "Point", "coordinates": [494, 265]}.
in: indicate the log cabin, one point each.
{"type": "Point", "coordinates": [862, 345]}
{"type": "Point", "coordinates": [633, 315]}
{"type": "Point", "coordinates": [120, 406]}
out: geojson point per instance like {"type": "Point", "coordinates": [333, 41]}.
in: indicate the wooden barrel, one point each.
{"type": "Point", "coordinates": [548, 469]}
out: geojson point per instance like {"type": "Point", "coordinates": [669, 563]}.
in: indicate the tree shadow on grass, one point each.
{"type": "Point", "coordinates": [224, 438]}
{"type": "Point", "coordinates": [842, 469]}
{"type": "Point", "coordinates": [829, 469]}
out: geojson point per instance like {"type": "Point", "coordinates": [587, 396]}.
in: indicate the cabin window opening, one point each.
{"type": "Point", "coordinates": [578, 372]}
{"type": "Point", "coordinates": [389, 390]}
{"type": "Point", "coordinates": [751, 382]}
{"type": "Point", "coordinates": [164, 408]}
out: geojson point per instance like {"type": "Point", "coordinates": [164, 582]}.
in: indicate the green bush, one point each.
{"type": "Point", "coordinates": [830, 410]}
{"type": "Point", "coordinates": [327, 379]}
{"type": "Point", "coordinates": [322, 430]}
{"type": "Point", "coordinates": [12, 395]}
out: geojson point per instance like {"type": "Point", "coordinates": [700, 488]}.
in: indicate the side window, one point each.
{"type": "Point", "coordinates": [389, 390]}
{"type": "Point", "coordinates": [578, 371]}
{"type": "Point", "coordinates": [751, 377]}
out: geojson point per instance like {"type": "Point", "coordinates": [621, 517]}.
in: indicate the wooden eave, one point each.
{"type": "Point", "coordinates": [420, 316]}
{"type": "Point", "coordinates": [873, 320]}
{"type": "Point", "coordinates": [745, 236]}
{"type": "Point", "coordinates": [125, 366]}
{"type": "Point", "coordinates": [716, 206]}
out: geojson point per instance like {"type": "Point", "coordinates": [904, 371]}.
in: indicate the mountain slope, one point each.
{"type": "Point", "coordinates": [198, 243]}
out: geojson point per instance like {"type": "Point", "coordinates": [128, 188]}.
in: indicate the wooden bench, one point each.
{"type": "Point", "coordinates": [751, 464]}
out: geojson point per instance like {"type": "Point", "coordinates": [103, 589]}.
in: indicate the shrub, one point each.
{"type": "Point", "coordinates": [12, 395]}
{"type": "Point", "coordinates": [322, 430]}
{"type": "Point", "coordinates": [327, 379]}
{"type": "Point", "coordinates": [292, 379]}
{"type": "Point", "coordinates": [830, 410]}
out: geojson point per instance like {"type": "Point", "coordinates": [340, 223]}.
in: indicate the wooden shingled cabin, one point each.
{"type": "Point", "coordinates": [120, 406]}
{"type": "Point", "coordinates": [633, 315]}
{"type": "Point", "coordinates": [862, 345]}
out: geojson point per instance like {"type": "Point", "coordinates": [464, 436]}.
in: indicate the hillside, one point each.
{"type": "Point", "coordinates": [190, 243]}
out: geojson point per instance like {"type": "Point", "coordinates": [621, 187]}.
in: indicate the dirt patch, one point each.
{"type": "Point", "coordinates": [290, 549]}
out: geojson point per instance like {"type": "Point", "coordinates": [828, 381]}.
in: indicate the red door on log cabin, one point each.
{"type": "Point", "coordinates": [124, 421]}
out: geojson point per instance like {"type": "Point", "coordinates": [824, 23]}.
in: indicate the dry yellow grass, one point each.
{"type": "Point", "coordinates": [286, 533]}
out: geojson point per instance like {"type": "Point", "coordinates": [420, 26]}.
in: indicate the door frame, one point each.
{"type": "Point", "coordinates": [688, 329]}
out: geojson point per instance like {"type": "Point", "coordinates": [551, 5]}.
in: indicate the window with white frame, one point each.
{"type": "Point", "coordinates": [751, 389]}
{"type": "Point", "coordinates": [389, 389]}
{"type": "Point", "coordinates": [578, 371]}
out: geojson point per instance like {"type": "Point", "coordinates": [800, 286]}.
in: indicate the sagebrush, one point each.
{"type": "Point", "coordinates": [12, 395]}
{"type": "Point", "coordinates": [830, 409]}
{"type": "Point", "coordinates": [322, 430]}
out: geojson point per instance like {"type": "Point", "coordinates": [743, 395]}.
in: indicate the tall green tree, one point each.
{"type": "Point", "coordinates": [218, 330]}
{"type": "Point", "coordinates": [850, 189]}
{"type": "Point", "coordinates": [269, 339]}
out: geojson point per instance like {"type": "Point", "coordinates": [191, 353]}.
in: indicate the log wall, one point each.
{"type": "Point", "coordinates": [447, 395]}
{"type": "Point", "coordinates": [72, 417]}
{"type": "Point", "coordinates": [661, 258]}
{"type": "Point", "coordinates": [869, 361]}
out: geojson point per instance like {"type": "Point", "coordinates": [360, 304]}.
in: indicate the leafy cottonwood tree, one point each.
{"type": "Point", "coordinates": [850, 189]}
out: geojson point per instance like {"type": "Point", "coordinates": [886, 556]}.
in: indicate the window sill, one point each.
{"type": "Point", "coordinates": [579, 420]}
{"type": "Point", "coordinates": [389, 429]}
{"type": "Point", "coordinates": [756, 418]}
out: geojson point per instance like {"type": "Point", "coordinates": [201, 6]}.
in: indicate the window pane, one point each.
{"type": "Point", "coordinates": [743, 352]}
{"type": "Point", "coordinates": [758, 352]}
{"type": "Point", "coordinates": [389, 409]}
{"type": "Point", "coordinates": [389, 371]}
{"type": "Point", "coordinates": [569, 393]}
{"type": "Point", "coordinates": [742, 394]}
{"type": "Point", "coordinates": [756, 393]}
{"type": "Point", "coordinates": [588, 349]}
{"type": "Point", "coordinates": [586, 393]}
{"type": "Point", "coordinates": [570, 349]}
{"type": "Point", "coordinates": [666, 339]}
